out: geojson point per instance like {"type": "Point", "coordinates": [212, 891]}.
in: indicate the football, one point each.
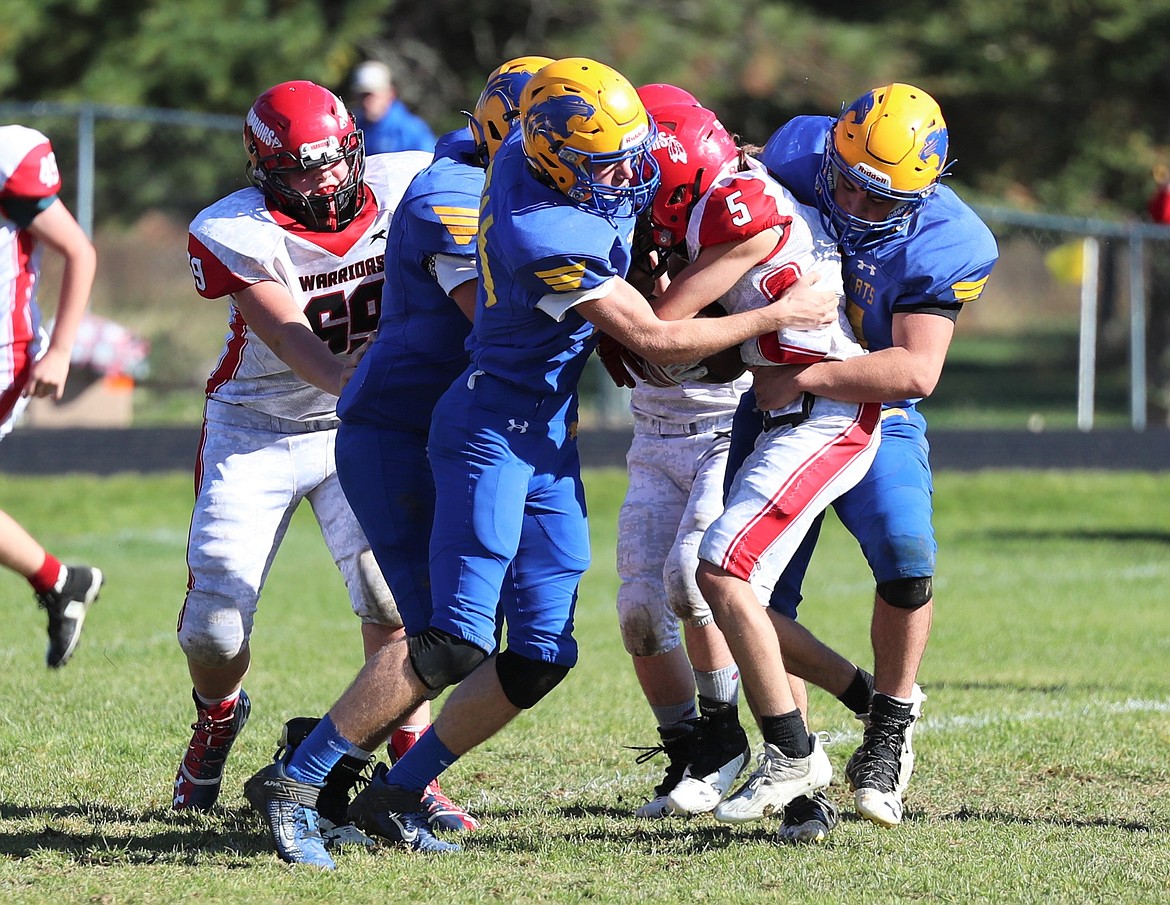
{"type": "Point", "coordinates": [725, 366]}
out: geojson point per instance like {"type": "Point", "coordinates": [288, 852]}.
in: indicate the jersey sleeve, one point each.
{"type": "Point", "coordinates": [217, 271]}
{"type": "Point", "coordinates": [738, 210]}
{"type": "Point", "coordinates": [35, 176]}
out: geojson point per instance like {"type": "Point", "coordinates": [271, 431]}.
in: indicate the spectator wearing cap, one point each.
{"type": "Point", "coordinates": [385, 120]}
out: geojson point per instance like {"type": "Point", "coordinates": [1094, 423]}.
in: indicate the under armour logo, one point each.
{"type": "Point", "coordinates": [514, 425]}
{"type": "Point", "coordinates": [380, 234]}
{"type": "Point", "coordinates": [863, 266]}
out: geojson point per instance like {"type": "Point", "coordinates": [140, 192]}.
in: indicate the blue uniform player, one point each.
{"type": "Point", "coordinates": [428, 300]}
{"type": "Point", "coordinates": [912, 255]}
{"type": "Point", "coordinates": [554, 243]}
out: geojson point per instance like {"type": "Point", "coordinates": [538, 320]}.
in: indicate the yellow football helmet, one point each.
{"type": "Point", "coordinates": [578, 114]}
{"type": "Point", "coordinates": [892, 143]}
{"type": "Point", "coordinates": [499, 104]}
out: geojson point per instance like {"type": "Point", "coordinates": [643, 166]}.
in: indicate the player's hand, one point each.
{"type": "Point", "coordinates": [349, 367]}
{"type": "Point", "coordinates": [48, 375]}
{"type": "Point", "coordinates": [776, 386]}
{"type": "Point", "coordinates": [805, 306]}
{"type": "Point", "coordinates": [620, 363]}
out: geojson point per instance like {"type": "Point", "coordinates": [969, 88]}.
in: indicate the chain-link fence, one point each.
{"type": "Point", "coordinates": [1074, 328]}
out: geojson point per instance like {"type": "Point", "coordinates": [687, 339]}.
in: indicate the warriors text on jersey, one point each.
{"type": "Point", "coordinates": [337, 277]}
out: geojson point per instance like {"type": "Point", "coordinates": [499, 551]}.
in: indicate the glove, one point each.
{"type": "Point", "coordinates": [621, 364]}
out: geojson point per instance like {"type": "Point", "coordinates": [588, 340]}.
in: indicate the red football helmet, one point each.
{"type": "Point", "coordinates": [298, 126]}
{"type": "Point", "coordinates": [692, 150]}
{"type": "Point", "coordinates": [661, 94]}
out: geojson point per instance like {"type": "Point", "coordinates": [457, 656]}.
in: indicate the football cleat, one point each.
{"type": "Point", "coordinates": [395, 814]}
{"type": "Point", "coordinates": [443, 814]}
{"type": "Point", "coordinates": [67, 605]}
{"type": "Point", "coordinates": [289, 809]}
{"type": "Point", "coordinates": [200, 774]}
{"type": "Point", "coordinates": [808, 818]}
{"type": "Point", "coordinates": [777, 780]}
{"type": "Point", "coordinates": [333, 799]}
{"type": "Point", "coordinates": [679, 743]}
{"type": "Point", "coordinates": [879, 771]}
{"type": "Point", "coordinates": [722, 752]}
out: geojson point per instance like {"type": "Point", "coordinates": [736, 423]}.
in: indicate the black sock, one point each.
{"type": "Point", "coordinates": [885, 705]}
{"type": "Point", "coordinates": [856, 696]}
{"type": "Point", "coordinates": [788, 733]}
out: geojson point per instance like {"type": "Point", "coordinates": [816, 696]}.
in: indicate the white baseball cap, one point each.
{"type": "Point", "coordinates": [371, 77]}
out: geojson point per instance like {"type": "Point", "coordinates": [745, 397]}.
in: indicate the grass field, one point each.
{"type": "Point", "coordinates": [1044, 754]}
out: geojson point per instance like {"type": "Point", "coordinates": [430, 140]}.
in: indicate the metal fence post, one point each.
{"type": "Point", "coordinates": [1087, 358]}
{"type": "Point", "coordinates": [1137, 332]}
{"type": "Point", "coordinates": [85, 167]}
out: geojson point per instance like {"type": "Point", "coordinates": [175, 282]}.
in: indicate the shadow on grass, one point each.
{"type": "Point", "coordinates": [1007, 818]}
{"type": "Point", "coordinates": [1090, 535]}
{"type": "Point", "coordinates": [112, 837]}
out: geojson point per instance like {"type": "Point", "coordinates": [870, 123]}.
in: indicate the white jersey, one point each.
{"type": "Point", "coordinates": [28, 177]}
{"type": "Point", "coordinates": [689, 402]}
{"type": "Point", "coordinates": [741, 205]}
{"type": "Point", "coordinates": [336, 277]}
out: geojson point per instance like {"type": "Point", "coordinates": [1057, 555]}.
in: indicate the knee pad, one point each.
{"type": "Point", "coordinates": [682, 593]}
{"type": "Point", "coordinates": [440, 659]}
{"type": "Point", "coordinates": [526, 681]}
{"type": "Point", "coordinates": [368, 592]}
{"type": "Point", "coordinates": [211, 630]}
{"type": "Point", "coordinates": [907, 593]}
{"type": "Point", "coordinates": [648, 627]}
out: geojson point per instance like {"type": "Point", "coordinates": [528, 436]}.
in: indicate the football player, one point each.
{"type": "Point", "coordinates": [428, 302]}
{"type": "Point", "coordinates": [913, 255]}
{"type": "Point", "coordinates": [300, 256]}
{"type": "Point", "coordinates": [556, 218]}
{"type": "Point", "coordinates": [34, 363]}
{"type": "Point", "coordinates": [747, 242]}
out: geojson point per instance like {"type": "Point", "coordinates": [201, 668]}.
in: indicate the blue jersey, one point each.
{"type": "Point", "coordinates": [937, 263]}
{"type": "Point", "coordinates": [536, 246]}
{"type": "Point", "coordinates": [398, 130]}
{"type": "Point", "coordinates": [419, 349]}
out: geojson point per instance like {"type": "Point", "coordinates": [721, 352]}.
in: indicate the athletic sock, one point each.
{"type": "Point", "coordinates": [670, 716]}
{"type": "Point", "coordinates": [788, 733]}
{"type": "Point", "coordinates": [857, 696]}
{"type": "Point", "coordinates": [720, 685]}
{"type": "Point", "coordinates": [421, 763]}
{"type": "Point", "coordinates": [48, 576]}
{"type": "Point", "coordinates": [318, 753]}
{"type": "Point", "coordinates": [888, 705]}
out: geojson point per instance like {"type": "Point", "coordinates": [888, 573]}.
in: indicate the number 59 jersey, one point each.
{"type": "Point", "coordinates": [335, 277]}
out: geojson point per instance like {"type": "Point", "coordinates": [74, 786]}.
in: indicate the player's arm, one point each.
{"type": "Point", "coordinates": [624, 314]}
{"type": "Point", "coordinates": [57, 229]}
{"type": "Point", "coordinates": [271, 313]}
{"type": "Point", "coordinates": [910, 368]}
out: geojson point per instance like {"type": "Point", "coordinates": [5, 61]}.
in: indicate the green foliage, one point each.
{"type": "Point", "coordinates": [1042, 757]}
{"type": "Point", "coordinates": [1053, 104]}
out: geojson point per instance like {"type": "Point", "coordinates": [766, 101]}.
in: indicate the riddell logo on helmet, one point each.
{"type": "Point", "coordinates": [871, 173]}
{"type": "Point", "coordinates": [262, 131]}
{"type": "Point", "coordinates": [669, 142]}
{"type": "Point", "coordinates": [635, 137]}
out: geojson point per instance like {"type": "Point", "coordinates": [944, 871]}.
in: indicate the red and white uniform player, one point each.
{"type": "Point", "coordinates": [29, 179]}
{"type": "Point", "coordinates": [814, 449]}
{"type": "Point", "coordinates": [268, 436]}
